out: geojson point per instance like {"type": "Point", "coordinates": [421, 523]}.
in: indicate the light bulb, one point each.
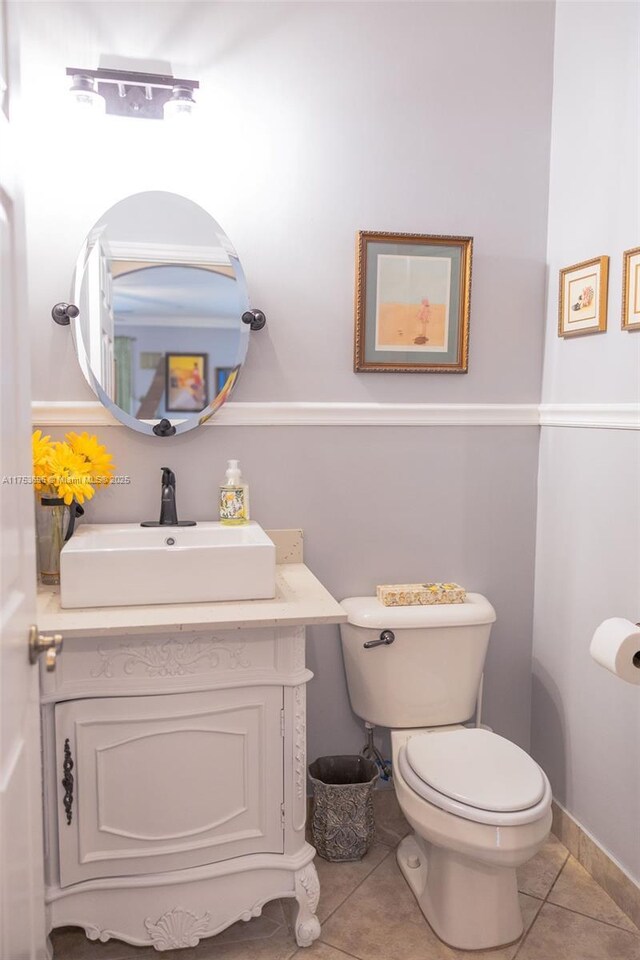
{"type": "Point", "coordinates": [181, 104]}
{"type": "Point", "coordinates": [85, 94]}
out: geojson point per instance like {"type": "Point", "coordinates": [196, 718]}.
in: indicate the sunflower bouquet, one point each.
{"type": "Point", "coordinates": [65, 473]}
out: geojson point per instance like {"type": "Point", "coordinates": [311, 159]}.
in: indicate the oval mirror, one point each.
{"type": "Point", "coordinates": [161, 294]}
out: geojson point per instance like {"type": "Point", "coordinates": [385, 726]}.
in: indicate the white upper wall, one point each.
{"type": "Point", "coordinates": [593, 194]}
{"type": "Point", "coordinates": [586, 722]}
{"type": "Point", "coordinates": [314, 121]}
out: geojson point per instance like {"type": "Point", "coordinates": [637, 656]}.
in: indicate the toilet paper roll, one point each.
{"type": "Point", "coordinates": [616, 646]}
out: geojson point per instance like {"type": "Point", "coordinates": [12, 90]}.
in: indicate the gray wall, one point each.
{"type": "Point", "coordinates": [377, 505]}
{"type": "Point", "coordinates": [585, 722]}
{"type": "Point", "coordinates": [316, 120]}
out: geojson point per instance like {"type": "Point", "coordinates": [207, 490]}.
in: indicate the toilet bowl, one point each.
{"type": "Point", "coordinates": [478, 804]}
{"type": "Point", "coordinates": [461, 860]}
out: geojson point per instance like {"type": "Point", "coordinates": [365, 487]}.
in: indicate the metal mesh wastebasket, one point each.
{"type": "Point", "coordinates": [342, 824]}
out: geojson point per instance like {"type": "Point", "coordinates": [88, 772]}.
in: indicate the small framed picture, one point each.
{"type": "Point", "coordinates": [186, 382]}
{"type": "Point", "coordinates": [631, 289]}
{"type": "Point", "coordinates": [413, 295]}
{"type": "Point", "coordinates": [222, 375]}
{"type": "Point", "coordinates": [582, 306]}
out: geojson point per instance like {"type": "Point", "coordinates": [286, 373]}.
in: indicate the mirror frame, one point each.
{"type": "Point", "coordinates": [150, 427]}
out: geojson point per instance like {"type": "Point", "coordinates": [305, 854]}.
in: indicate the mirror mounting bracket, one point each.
{"type": "Point", "coordinates": [255, 318]}
{"type": "Point", "coordinates": [64, 313]}
{"type": "Point", "coordinates": [164, 428]}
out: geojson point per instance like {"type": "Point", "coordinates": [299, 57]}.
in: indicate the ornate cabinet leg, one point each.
{"type": "Point", "coordinates": [307, 895]}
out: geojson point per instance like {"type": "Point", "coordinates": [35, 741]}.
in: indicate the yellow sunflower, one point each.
{"type": "Point", "coordinates": [70, 474]}
{"type": "Point", "coordinates": [42, 450]}
{"type": "Point", "coordinates": [99, 463]}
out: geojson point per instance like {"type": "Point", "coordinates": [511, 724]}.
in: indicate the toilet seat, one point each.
{"type": "Point", "coordinates": [476, 767]}
{"type": "Point", "coordinates": [476, 775]}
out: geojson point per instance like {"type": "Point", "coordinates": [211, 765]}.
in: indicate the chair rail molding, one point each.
{"type": "Point", "coordinates": [610, 416]}
{"type": "Point", "coordinates": [621, 416]}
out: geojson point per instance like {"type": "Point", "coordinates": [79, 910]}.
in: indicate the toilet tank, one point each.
{"type": "Point", "coordinates": [429, 675]}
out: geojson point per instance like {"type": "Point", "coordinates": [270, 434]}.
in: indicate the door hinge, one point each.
{"type": "Point", "coordinates": [282, 722]}
{"type": "Point", "coordinates": [282, 817]}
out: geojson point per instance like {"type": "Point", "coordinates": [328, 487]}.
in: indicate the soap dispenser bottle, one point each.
{"type": "Point", "coordinates": [234, 497]}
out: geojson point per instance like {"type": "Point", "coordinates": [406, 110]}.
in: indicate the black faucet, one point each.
{"type": "Point", "coordinates": [168, 510]}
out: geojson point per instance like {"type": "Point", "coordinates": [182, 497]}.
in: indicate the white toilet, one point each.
{"type": "Point", "coordinates": [478, 804]}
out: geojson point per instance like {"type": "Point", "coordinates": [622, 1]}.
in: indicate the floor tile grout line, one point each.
{"type": "Point", "coordinates": [589, 916]}
{"type": "Point", "coordinates": [389, 843]}
{"type": "Point", "coordinates": [325, 943]}
{"type": "Point", "coordinates": [385, 844]}
{"type": "Point", "coordinates": [332, 946]}
{"type": "Point", "coordinates": [557, 876]}
{"type": "Point", "coordinates": [579, 912]}
{"type": "Point", "coordinates": [569, 910]}
{"type": "Point", "coordinates": [526, 933]}
{"type": "Point", "coordinates": [543, 900]}
{"type": "Point", "coordinates": [357, 887]}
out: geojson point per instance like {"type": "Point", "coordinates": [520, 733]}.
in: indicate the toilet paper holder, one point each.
{"type": "Point", "coordinates": [615, 646]}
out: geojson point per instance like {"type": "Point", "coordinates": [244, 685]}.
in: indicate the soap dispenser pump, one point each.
{"type": "Point", "coordinates": [234, 497]}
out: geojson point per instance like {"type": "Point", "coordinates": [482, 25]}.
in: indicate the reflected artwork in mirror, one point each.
{"type": "Point", "coordinates": [161, 296]}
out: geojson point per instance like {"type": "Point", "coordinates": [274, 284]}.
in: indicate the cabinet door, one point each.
{"type": "Point", "coordinates": [162, 783]}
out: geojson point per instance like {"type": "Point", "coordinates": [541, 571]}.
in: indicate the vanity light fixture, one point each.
{"type": "Point", "coordinates": [128, 93]}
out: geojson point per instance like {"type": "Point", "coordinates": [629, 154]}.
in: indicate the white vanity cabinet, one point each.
{"type": "Point", "coordinates": [167, 782]}
{"type": "Point", "coordinates": [175, 764]}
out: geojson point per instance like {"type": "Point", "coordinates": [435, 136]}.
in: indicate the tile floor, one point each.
{"type": "Point", "coordinates": [368, 913]}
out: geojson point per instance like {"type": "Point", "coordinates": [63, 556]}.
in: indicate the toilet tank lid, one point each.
{"type": "Point", "coordinates": [369, 612]}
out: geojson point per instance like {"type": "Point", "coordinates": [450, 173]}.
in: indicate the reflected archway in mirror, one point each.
{"type": "Point", "coordinates": [161, 294]}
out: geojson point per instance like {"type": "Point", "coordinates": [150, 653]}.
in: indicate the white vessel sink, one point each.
{"type": "Point", "coordinates": [124, 564]}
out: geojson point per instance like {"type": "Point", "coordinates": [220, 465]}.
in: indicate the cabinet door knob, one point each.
{"type": "Point", "coordinates": [41, 643]}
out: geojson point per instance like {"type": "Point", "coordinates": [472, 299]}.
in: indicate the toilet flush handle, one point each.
{"type": "Point", "coordinates": [386, 637]}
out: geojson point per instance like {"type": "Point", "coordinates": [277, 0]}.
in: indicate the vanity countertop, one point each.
{"type": "Point", "coordinates": [300, 599]}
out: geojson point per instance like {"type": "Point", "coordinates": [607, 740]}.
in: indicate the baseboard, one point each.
{"type": "Point", "coordinates": [622, 889]}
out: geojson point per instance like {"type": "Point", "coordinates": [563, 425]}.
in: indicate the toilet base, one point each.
{"type": "Point", "coordinates": [470, 905]}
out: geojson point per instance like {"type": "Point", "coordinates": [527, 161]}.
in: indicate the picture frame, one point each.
{"type": "Point", "coordinates": [186, 380]}
{"type": "Point", "coordinates": [412, 303]}
{"type": "Point", "coordinates": [222, 374]}
{"type": "Point", "coordinates": [631, 289]}
{"type": "Point", "coordinates": [582, 298]}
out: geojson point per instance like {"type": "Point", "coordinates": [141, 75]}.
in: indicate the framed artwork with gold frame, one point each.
{"type": "Point", "coordinates": [186, 379]}
{"type": "Point", "coordinates": [413, 296]}
{"type": "Point", "coordinates": [631, 289]}
{"type": "Point", "coordinates": [582, 301]}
